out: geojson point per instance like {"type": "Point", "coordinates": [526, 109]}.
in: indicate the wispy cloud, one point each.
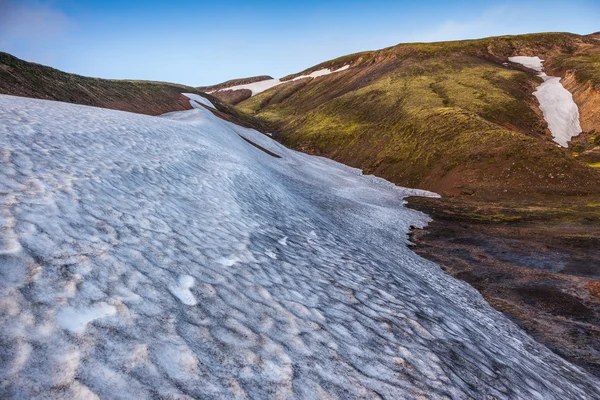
{"type": "Point", "coordinates": [26, 23]}
{"type": "Point", "coordinates": [495, 21]}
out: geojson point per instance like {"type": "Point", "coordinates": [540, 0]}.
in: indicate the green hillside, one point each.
{"type": "Point", "coordinates": [452, 117]}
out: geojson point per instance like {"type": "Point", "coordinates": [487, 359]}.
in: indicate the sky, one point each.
{"type": "Point", "coordinates": [206, 42]}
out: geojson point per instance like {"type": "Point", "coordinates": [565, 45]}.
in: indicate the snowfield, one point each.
{"type": "Point", "coordinates": [166, 257]}
{"type": "Point", "coordinates": [556, 102]}
{"type": "Point", "coordinates": [261, 86]}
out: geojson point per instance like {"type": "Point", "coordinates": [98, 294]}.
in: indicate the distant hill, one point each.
{"type": "Point", "coordinates": [233, 96]}
{"type": "Point", "coordinates": [452, 117]}
{"type": "Point", "coordinates": [22, 78]}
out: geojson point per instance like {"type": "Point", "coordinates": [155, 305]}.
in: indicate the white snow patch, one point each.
{"type": "Point", "coordinates": [9, 243]}
{"type": "Point", "coordinates": [556, 102]}
{"type": "Point", "coordinates": [76, 319]}
{"type": "Point", "coordinates": [261, 86]}
{"type": "Point", "coordinates": [271, 254]}
{"type": "Point", "coordinates": [534, 63]}
{"type": "Point", "coordinates": [181, 290]}
{"type": "Point", "coordinates": [194, 98]}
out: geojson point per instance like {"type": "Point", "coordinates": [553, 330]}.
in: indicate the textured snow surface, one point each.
{"type": "Point", "coordinates": [556, 102]}
{"type": "Point", "coordinates": [197, 99]}
{"type": "Point", "coordinates": [261, 86]}
{"type": "Point", "coordinates": [165, 257]}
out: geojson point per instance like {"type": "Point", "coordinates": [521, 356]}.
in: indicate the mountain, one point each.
{"type": "Point", "coordinates": [454, 117]}
{"type": "Point", "coordinates": [519, 215]}
{"type": "Point", "coordinates": [166, 257]}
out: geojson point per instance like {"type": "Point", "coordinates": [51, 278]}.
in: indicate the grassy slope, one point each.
{"type": "Point", "coordinates": [452, 118]}
{"type": "Point", "coordinates": [443, 116]}
{"type": "Point", "coordinates": [22, 78]}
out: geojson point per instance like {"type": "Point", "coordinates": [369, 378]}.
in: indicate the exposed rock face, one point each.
{"type": "Point", "coordinates": [234, 82]}
{"type": "Point", "coordinates": [587, 98]}
{"type": "Point", "coordinates": [233, 96]}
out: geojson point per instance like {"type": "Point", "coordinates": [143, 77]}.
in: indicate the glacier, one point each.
{"type": "Point", "coordinates": [167, 257]}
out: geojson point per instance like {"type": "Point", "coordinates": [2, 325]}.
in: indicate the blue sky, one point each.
{"type": "Point", "coordinates": [200, 43]}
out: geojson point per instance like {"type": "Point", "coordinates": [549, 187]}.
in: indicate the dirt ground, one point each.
{"type": "Point", "coordinates": [538, 264]}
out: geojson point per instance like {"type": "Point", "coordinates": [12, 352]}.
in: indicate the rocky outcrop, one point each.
{"type": "Point", "coordinates": [233, 82]}
{"type": "Point", "coordinates": [587, 99]}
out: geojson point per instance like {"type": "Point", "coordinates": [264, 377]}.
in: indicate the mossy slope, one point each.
{"type": "Point", "coordinates": [451, 117]}
{"type": "Point", "coordinates": [22, 78]}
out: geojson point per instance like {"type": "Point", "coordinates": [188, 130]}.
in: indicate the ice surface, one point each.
{"type": "Point", "coordinates": [165, 257]}
{"type": "Point", "coordinates": [76, 320]}
{"type": "Point", "coordinates": [261, 86]}
{"type": "Point", "coordinates": [181, 290]}
{"type": "Point", "coordinates": [556, 103]}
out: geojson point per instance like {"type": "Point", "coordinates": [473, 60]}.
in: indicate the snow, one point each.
{"type": "Point", "coordinates": [76, 320]}
{"type": "Point", "coordinates": [139, 264]}
{"type": "Point", "coordinates": [181, 290]}
{"type": "Point", "coordinates": [261, 86]}
{"type": "Point", "coordinates": [534, 63]}
{"type": "Point", "coordinates": [197, 99]}
{"type": "Point", "coordinates": [556, 103]}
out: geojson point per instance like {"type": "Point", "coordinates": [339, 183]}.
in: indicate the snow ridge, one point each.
{"type": "Point", "coordinates": [165, 257]}
{"type": "Point", "coordinates": [556, 102]}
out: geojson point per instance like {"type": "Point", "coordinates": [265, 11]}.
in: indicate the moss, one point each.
{"type": "Point", "coordinates": [585, 65]}
{"type": "Point", "coordinates": [433, 115]}
{"type": "Point", "coordinates": [499, 45]}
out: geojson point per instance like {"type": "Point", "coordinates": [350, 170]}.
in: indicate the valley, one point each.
{"type": "Point", "coordinates": [300, 236]}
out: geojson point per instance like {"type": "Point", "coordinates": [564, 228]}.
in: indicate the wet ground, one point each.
{"type": "Point", "coordinates": [539, 265]}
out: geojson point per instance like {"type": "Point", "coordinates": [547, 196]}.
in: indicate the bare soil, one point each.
{"type": "Point", "coordinates": [539, 264]}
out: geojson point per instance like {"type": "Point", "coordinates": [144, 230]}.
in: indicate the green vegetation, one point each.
{"type": "Point", "coordinates": [22, 78]}
{"type": "Point", "coordinates": [586, 66]}
{"type": "Point", "coordinates": [498, 46]}
{"type": "Point", "coordinates": [441, 116]}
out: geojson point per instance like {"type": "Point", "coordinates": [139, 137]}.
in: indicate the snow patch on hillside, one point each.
{"type": "Point", "coordinates": [166, 257]}
{"type": "Point", "coordinates": [261, 86]}
{"type": "Point", "coordinates": [556, 102]}
{"type": "Point", "coordinates": [195, 100]}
